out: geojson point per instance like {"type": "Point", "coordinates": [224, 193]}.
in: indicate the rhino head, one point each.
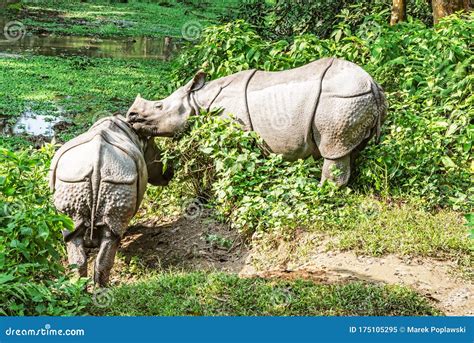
{"type": "Point", "coordinates": [167, 116]}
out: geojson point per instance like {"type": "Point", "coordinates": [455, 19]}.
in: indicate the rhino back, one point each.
{"type": "Point", "coordinates": [282, 105]}
{"type": "Point", "coordinates": [347, 111]}
{"type": "Point", "coordinates": [101, 176]}
{"type": "Point", "coordinates": [77, 164]}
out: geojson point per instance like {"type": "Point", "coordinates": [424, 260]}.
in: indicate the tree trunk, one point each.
{"type": "Point", "coordinates": [443, 8]}
{"type": "Point", "coordinates": [399, 11]}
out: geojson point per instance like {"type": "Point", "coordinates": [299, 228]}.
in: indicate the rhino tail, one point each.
{"type": "Point", "coordinates": [95, 183]}
{"type": "Point", "coordinates": [381, 103]}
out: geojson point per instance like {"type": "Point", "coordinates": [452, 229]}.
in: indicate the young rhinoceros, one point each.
{"type": "Point", "coordinates": [99, 179]}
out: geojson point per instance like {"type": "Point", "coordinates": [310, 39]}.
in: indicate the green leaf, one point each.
{"type": "Point", "coordinates": [5, 278]}
{"type": "Point", "coordinates": [448, 162]}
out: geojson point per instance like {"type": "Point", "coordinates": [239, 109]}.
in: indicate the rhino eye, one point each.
{"type": "Point", "coordinates": [159, 106]}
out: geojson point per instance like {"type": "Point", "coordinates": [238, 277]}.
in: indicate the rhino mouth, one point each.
{"type": "Point", "coordinates": [150, 131]}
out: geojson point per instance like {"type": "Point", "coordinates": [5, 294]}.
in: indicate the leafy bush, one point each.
{"type": "Point", "coordinates": [251, 189]}
{"type": "Point", "coordinates": [32, 278]}
{"type": "Point", "coordinates": [296, 17]}
{"type": "Point", "coordinates": [254, 12]}
{"type": "Point", "coordinates": [287, 18]}
{"type": "Point", "coordinates": [427, 74]}
{"type": "Point", "coordinates": [259, 192]}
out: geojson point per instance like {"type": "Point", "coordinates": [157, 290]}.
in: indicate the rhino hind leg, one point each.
{"type": "Point", "coordinates": [76, 253]}
{"type": "Point", "coordinates": [109, 243]}
{"type": "Point", "coordinates": [355, 154]}
{"type": "Point", "coordinates": [337, 171]}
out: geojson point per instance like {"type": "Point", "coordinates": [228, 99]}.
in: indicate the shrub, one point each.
{"type": "Point", "coordinates": [287, 18]}
{"type": "Point", "coordinates": [254, 12]}
{"type": "Point", "coordinates": [427, 74]}
{"type": "Point", "coordinates": [32, 280]}
{"type": "Point", "coordinates": [248, 187]}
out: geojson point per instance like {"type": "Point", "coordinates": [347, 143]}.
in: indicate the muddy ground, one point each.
{"type": "Point", "coordinates": [203, 244]}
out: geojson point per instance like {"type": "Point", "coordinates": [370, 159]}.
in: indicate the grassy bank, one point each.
{"type": "Point", "coordinates": [100, 18]}
{"type": "Point", "coordinates": [219, 294]}
{"type": "Point", "coordinates": [80, 89]}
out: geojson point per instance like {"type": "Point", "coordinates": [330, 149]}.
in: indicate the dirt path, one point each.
{"type": "Point", "coordinates": [203, 244]}
{"type": "Point", "coordinates": [197, 244]}
{"type": "Point", "coordinates": [434, 279]}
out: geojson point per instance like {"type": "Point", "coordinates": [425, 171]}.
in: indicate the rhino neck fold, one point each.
{"type": "Point", "coordinates": [194, 103]}
{"type": "Point", "coordinates": [246, 98]}
{"type": "Point", "coordinates": [208, 95]}
{"type": "Point", "coordinates": [229, 95]}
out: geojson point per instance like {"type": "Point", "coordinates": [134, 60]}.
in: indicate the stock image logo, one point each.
{"type": "Point", "coordinates": [14, 31]}
{"type": "Point", "coordinates": [11, 209]}
{"type": "Point", "coordinates": [102, 297]}
{"type": "Point", "coordinates": [192, 208]}
{"type": "Point", "coordinates": [99, 115]}
{"type": "Point", "coordinates": [370, 208]}
{"type": "Point", "coordinates": [191, 30]}
{"type": "Point", "coordinates": [281, 297]}
{"type": "Point", "coordinates": [281, 121]}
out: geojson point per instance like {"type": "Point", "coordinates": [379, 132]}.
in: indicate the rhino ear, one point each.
{"type": "Point", "coordinates": [197, 82]}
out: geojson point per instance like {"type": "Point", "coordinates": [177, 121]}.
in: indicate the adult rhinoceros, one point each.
{"type": "Point", "coordinates": [329, 108]}
{"type": "Point", "coordinates": [98, 179]}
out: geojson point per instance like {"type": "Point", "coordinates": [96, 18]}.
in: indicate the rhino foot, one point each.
{"type": "Point", "coordinates": [76, 254]}
{"type": "Point", "coordinates": [337, 171]}
{"type": "Point", "coordinates": [105, 258]}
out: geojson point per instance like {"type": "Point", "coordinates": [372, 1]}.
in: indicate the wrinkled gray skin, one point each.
{"type": "Point", "coordinates": [329, 108]}
{"type": "Point", "coordinates": [99, 179]}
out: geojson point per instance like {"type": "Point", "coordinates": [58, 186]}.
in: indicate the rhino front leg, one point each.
{"type": "Point", "coordinates": [76, 253]}
{"type": "Point", "coordinates": [338, 170]}
{"type": "Point", "coordinates": [104, 262]}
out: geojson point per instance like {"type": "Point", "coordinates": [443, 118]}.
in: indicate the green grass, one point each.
{"type": "Point", "coordinates": [219, 294]}
{"type": "Point", "coordinates": [84, 88]}
{"type": "Point", "coordinates": [406, 228]}
{"type": "Point", "coordinates": [100, 18]}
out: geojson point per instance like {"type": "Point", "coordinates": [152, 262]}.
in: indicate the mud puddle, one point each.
{"type": "Point", "coordinates": [162, 48]}
{"type": "Point", "coordinates": [34, 125]}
